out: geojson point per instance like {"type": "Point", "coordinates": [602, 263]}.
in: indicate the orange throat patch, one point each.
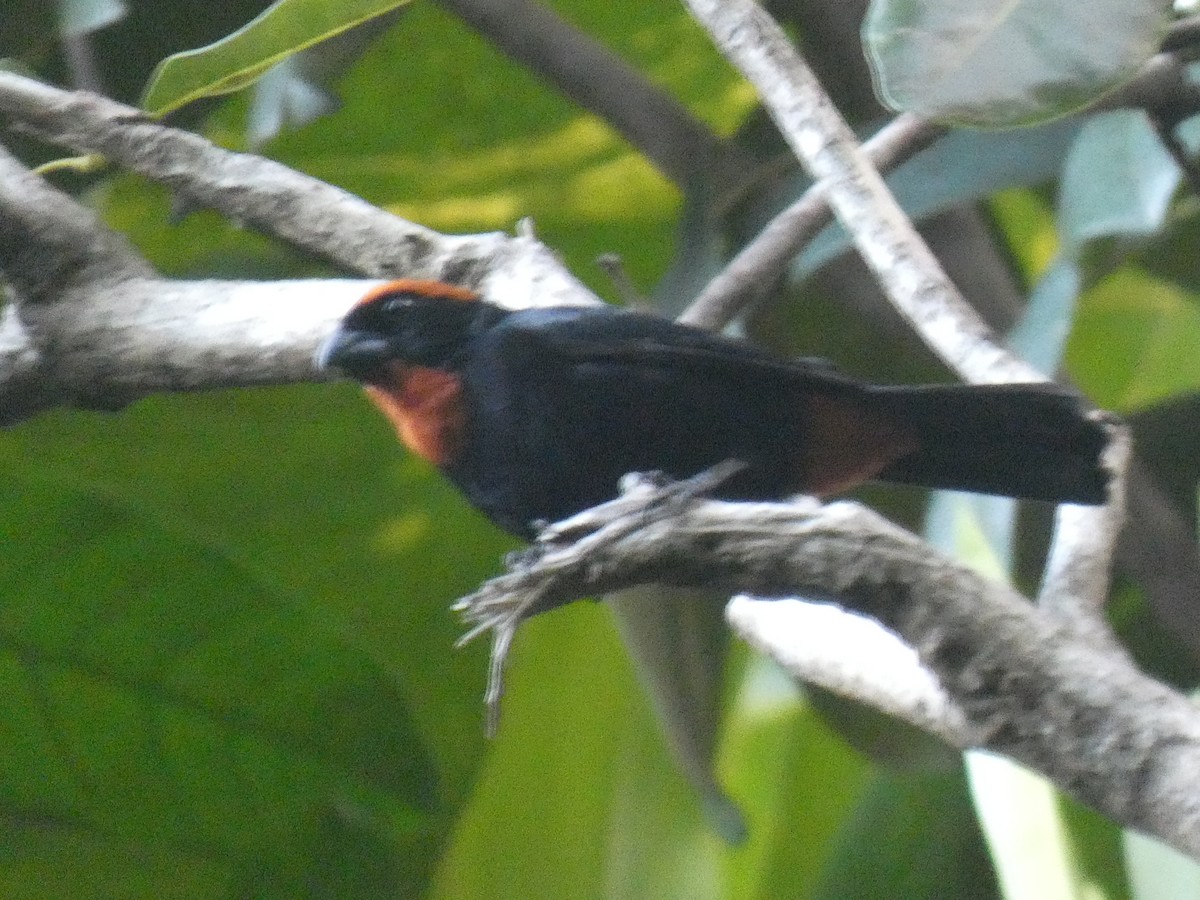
{"type": "Point", "coordinates": [426, 408]}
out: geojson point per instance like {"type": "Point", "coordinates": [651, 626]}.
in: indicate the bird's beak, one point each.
{"type": "Point", "coordinates": [360, 354]}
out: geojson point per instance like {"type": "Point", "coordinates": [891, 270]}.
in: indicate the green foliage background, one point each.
{"type": "Point", "coordinates": [226, 664]}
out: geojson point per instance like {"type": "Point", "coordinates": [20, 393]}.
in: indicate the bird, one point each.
{"type": "Point", "coordinates": [536, 414]}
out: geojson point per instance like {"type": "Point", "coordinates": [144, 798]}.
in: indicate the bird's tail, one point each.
{"type": "Point", "coordinates": [1021, 440]}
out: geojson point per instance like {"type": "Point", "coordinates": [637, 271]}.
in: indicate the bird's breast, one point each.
{"type": "Point", "coordinates": [426, 407]}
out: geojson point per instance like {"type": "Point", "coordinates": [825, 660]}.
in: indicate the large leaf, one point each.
{"type": "Point", "coordinates": [236, 61]}
{"type": "Point", "coordinates": [795, 781]}
{"type": "Point", "coordinates": [1150, 330]}
{"type": "Point", "coordinates": [912, 837]}
{"type": "Point", "coordinates": [1118, 180]}
{"type": "Point", "coordinates": [202, 677]}
{"type": "Point", "coordinates": [978, 63]}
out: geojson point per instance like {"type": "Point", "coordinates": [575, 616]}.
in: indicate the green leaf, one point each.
{"type": "Point", "coordinates": [1118, 180]}
{"type": "Point", "coordinates": [81, 17]}
{"type": "Point", "coordinates": [561, 794]}
{"type": "Point", "coordinates": [1149, 330]}
{"type": "Point", "coordinates": [795, 780]}
{"type": "Point", "coordinates": [913, 837]}
{"type": "Point", "coordinates": [972, 62]}
{"type": "Point", "coordinates": [238, 60]}
{"type": "Point", "coordinates": [1019, 813]}
{"type": "Point", "coordinates": [159, 697]}
{"type": "Point", "coordinates": [215, 656]}
{"type": "Point", "coordinates": [1159, 872]}
{"type": "Point", "coordinates": [1096, 850]}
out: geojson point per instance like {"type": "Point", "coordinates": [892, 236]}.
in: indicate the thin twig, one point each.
{"type": "Point", "coordinates": [1182, 33]}
{"type": "Point", "coordinates": [653, 121]}
{"type": "Point", "coordinates": [764, 260]}
{"type": "Point", "coordinates": [827, 148]}
{"type": "Point", "coordinates": [1165, 126]}
{"type": "Point", "coordinates": [1078, 573]}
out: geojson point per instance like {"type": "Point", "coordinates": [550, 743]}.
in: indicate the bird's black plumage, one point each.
{"type": "Point", "coordinates": [539, 412]}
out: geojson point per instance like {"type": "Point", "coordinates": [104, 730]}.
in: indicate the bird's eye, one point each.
{"type": "Point", "coordinates": [396, 304]}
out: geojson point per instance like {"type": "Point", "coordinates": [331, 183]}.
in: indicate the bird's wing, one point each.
{"type": "Point", "coordinates": [615, 338]}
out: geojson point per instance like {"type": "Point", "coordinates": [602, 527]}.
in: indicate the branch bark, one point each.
{"type": "Point", "coordinates": [316, 217]}
{"type": "Point", "coordinates": [1027, 685]}
{"type": "Point", "coordinates": [763, 261]}
{"type": "Point", "coordinates": [89, 322]}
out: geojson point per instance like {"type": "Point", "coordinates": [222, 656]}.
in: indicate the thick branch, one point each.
{"type": "Point", "coordinates": [105, 344]}
{"type": "Point", "coordinates": [1027, 686]}
{"type": "Point", "coordinates": [316, 217]}
{"type": "Point", "coordinates": [850, 655]}
{"type": "Point", "coordinates": [91, 325]}
{"type": "Point", "coordinates": [48, 240]}
{"type": "Point", "coordinates": [829, 151]}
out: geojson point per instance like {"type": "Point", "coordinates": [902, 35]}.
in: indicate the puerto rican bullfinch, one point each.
{"type": "Point", "coordinates": [536, 414]}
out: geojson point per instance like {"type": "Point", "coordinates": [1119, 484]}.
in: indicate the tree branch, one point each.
{"type": "Point", "coordinates": [850, 655]}
{"type": "Point", "coordinates": [829, 151]}
{"type": "Point", "coordinates": [316, 217]}
{"type": "Point", "coordinates": [90, 323]}
{"type": "Point", "coordinates": [653, 121]}
{"type": "Point", "coordinates": [763, 261]}
{"type": "Point", "coordinates": [1026, 685]}
{"type": "Point", "coordinates": [103, 345]}
{"type": "Point", "coordinates": [47, 240]}
{"type": "Point", "coordinates": [1078, 571]}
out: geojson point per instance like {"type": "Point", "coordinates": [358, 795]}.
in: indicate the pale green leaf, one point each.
{"type": "Point", "coordinates": [238, 60]}
{"type": "Point", "coordinates": [978, 63]}
{"type": "Point", "coordinates": [1021, 822]}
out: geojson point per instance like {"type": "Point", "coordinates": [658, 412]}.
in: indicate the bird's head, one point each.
{"type": "Point", "coordinates": [419, 323]}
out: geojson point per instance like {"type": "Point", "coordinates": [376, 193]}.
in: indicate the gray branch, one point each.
{"type": "Point", "coordinates": [104, 344]}
{"type": "Point", "coordinates": [316, 217]}
{"type": "Point", "coordinates": [758, 265]}
{"type": "Point", "coordinates": [1025, 684]}
{"type": "Point", "coordinates": [90, 324]}
{"type": "Point", "coordinates": [850, 655]}
{"type": "Point", "coordinates": [829, 151]}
